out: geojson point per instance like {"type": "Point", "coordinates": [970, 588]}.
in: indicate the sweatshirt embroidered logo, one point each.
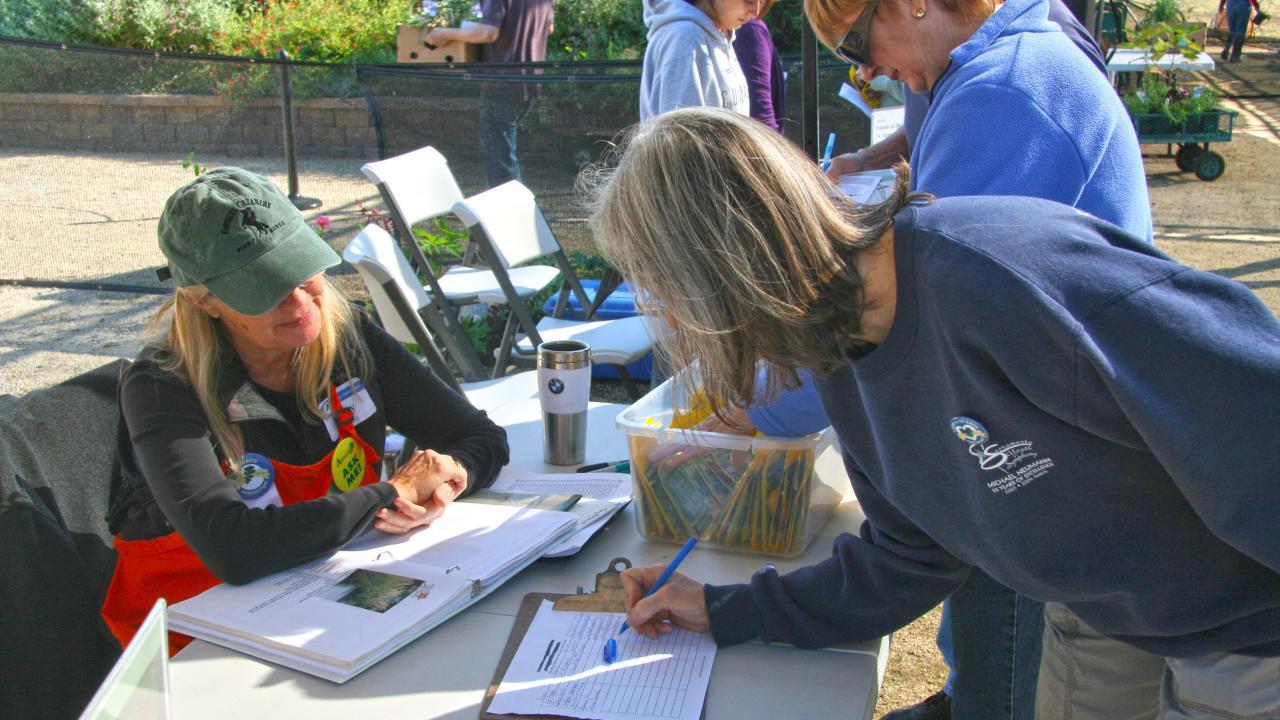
{"type": "Point", "coordinates": [1019, 462]}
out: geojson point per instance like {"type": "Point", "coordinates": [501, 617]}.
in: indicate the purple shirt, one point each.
{"type": "Point", "coordinates": [523, 26]}
{"type": "Point", "coordinates": [766, 89]}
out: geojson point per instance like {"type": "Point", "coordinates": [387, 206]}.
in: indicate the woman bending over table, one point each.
{"type": "Point", "coordinates": [1016, 386]}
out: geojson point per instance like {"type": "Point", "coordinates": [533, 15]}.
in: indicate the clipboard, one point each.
{"type": "Point", "coordinates": [607, 597]}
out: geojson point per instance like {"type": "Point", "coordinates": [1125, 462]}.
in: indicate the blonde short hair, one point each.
{"type": "Point", "coordinates": [194, 347]}
{"type": "Point", "coordinates": [741, 241]}
{"type": "Point", "coordinates": [831, 18]}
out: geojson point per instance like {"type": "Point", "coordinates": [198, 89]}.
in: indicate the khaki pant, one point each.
{"type": "Point", "coordinates": [1087, 676]}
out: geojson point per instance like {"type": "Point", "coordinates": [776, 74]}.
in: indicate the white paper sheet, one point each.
{"type": "Point", "coordinates": [559, 670]}
{"type": "Point", "coordinates": [613, 488]}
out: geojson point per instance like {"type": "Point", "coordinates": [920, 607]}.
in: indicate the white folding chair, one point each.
{"type": "Point", "coordinates": [510, 229]}
{"type": "Point", "coordinates": [418, 186]}
{"type": "Point", "coordinates": [402, 306]}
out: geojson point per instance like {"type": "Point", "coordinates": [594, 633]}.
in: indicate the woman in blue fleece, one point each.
{"type": "Point", "coordinates": [1017, 387]}
{"type": "Point", "coordinates": [690, 60]}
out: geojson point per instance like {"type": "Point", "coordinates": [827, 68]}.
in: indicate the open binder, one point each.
{"type": "Point", "coordinates": [337, 616]}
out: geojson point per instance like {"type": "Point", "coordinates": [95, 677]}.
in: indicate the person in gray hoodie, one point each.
{"type": "Point", "coordinates": [690, 60]}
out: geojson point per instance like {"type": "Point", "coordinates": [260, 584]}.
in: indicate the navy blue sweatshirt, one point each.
{"type": "Point", "coordinates": [1067, 408]}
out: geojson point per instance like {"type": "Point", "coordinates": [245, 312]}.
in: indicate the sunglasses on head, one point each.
{"type": "Point", "coordinates": [855, 47]}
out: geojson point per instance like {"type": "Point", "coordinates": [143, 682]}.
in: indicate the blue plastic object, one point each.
{"type": "Point", "coordinates": [621, 303]}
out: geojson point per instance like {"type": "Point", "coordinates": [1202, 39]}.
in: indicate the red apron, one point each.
{"type": "Point", "coordinates": [167, 567]}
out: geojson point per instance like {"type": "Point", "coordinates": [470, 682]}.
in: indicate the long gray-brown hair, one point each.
{"type": "Point", "coordinates": [741, 242]}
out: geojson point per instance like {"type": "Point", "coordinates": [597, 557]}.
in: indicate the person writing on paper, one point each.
{"type": "Point", "coordinates": [997, 370]}
{"type": "Point", "coordinates": [989, 637]}
{"type": "Point", "coordinates": [253, 425]}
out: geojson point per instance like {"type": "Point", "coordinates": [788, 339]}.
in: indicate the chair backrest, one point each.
{"type": "Point", "coordinates": [416, 186]}
{"type": "Point", "coordinates": [378, 259]}
{"type": "Point", "coordinates": [397, 295]}
{"type": "Point", "coordinates": [511, 221]}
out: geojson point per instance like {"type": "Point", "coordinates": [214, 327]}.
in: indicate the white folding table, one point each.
{"type": "Point", "coordinates": [444, 673]}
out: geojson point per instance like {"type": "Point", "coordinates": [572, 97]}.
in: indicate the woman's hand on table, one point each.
{"type": "Point", "coordinates": [426, 484]}
{"type": "Point", "coordinates": [679, 602]}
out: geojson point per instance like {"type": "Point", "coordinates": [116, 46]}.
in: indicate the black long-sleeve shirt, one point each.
{"type": "Point", "coordinates": [172, 478]}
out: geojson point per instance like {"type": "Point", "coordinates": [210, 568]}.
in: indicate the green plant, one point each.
{"type": "Point", "coordinates": [1161, 38]}
{"type": "Point", "coordinates": [43, 19]}
{"type": "Point", "coordinates": [324, 30]}
{"type": "Point", "coordinates": [1160, 93]}
{"type": "Point", "coordinates": [190, 164]}
{"type": "Point", "coordinates": [597, 30]}
{"type": "Point", "coordinates": [440, 243]}
{"type": "Point", "coordinates": [446, 13]}
{"type": "Point", "coordinates": [1165, 11]}
{"type": "Point", "coordinates": [157, 24]}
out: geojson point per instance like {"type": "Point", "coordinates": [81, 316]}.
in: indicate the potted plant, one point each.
{"type": "Point", "coordinates": [1167, 109]}
{"type": "Point", "coordinates": [1170, 14]}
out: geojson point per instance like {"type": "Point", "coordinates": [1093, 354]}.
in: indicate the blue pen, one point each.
{"type": "Point", "coordinates": [826, 154]}
{"type": "Point", "coordinates": [611, 646]}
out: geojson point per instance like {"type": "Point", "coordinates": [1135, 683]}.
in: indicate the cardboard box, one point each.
{"type": "Point", "coordinates": [412, 48]}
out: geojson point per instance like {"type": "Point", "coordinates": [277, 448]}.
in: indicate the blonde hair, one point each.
{"type": "Point", "coordinates": [741, 241]}
{"type": "Point", "coordinates": [194, 347]}
{"type": "Point", "coordinates": [831, 19]}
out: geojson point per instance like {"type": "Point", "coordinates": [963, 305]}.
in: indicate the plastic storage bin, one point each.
{"type": "Point", "coordinates": [620, 303]}
{"type": "Point", "coordinates": [754, 494]}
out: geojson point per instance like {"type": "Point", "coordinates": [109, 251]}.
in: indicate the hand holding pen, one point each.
{"type": "Point", "coordinates": [651, 606]}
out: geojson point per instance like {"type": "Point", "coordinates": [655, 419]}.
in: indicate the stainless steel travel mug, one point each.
{"type": "Point", "coordinates": [564, 388]}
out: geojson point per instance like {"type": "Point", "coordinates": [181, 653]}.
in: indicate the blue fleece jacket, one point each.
{"type": "Point", "coordinates": [1020, 111]}
{"type": "Point", "coordinates": [1060, 404]}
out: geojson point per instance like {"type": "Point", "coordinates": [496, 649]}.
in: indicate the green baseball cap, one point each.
{"type": "Point", "coordinates": [235, 233]}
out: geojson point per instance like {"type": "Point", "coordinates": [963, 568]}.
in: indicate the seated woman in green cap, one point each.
{"type": "Point", "coordinates": [253, 425]}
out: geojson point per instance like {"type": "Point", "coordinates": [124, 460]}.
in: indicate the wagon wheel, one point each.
{"type": "Point", "coordinates": [1209, 165]}
{"type": "Point", "coordinates": [1187, 156]}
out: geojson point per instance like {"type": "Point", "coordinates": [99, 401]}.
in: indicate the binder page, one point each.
{"type": "Point", "coordinates": [604, 494]}
{"type": "Point", "coordinates": [559, 669]}
{"type": "Point", "coordinates": [482, 542]}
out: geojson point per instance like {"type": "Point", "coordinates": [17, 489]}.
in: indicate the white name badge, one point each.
{"type": "Point", "coordinates": [564, 392]}
{"type": "Point", "coordinates": [353, 396]}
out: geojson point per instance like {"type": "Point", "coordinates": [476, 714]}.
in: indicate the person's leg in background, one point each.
{"type": "Point", "coordinates": [1238, 27]}
{"type": "Point", "coordinates": [1085, 675]}
{"type": "Point", "coordinates": [995, 638]}
{"type": "Point", "coordinates": [502, 107]}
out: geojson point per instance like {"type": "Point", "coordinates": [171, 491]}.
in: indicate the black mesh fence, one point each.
{"type": "Point", "coordinates": [93, 140]}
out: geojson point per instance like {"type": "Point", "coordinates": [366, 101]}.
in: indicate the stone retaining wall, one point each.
{"type": "Point", "coordinates": [180, 124]}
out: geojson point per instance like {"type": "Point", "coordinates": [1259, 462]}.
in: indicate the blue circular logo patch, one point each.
{"type": "Point", "coordinates": [257, 475]}
{"type": "Point", "coordinates": [556, 386]}
{"type": "Point", "coordinates": [969, 430]}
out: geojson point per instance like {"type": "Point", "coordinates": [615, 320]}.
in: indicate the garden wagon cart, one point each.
{"type": "Point", "coordinates": [1192, 136]}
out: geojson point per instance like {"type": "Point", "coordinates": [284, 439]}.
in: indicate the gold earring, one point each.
{"type": "Point", "coordinates": [919, 13]}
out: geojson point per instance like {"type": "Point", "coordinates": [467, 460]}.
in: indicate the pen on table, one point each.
{"type": "Point", "coordinates": [611, 646]}
{"type": "Point", "coordinates": [621, 466]}
{"type": "Point", "coordinates": [826, 154]}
